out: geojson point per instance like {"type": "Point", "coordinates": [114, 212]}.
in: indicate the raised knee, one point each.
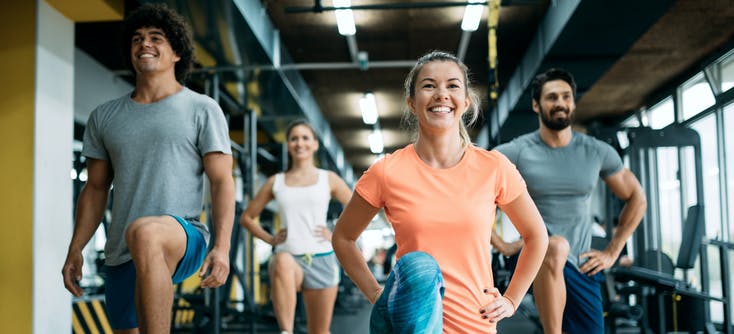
{"type": "Point", "coordinates": [418, 258]}
{"type": "Point", "coordinates": [419, 266]}
{"type": "Point", "coordinates": [141, 235]}
{"type": "Point", "coordinates": [283, 263]}
{"type": "Point", "coordinates": [558, 247]}
{"type": "Point", "coordinates": [558, 250]}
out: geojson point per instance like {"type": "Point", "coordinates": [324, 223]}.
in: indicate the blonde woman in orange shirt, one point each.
{"type": "Point", "coordinates": [440, 194]}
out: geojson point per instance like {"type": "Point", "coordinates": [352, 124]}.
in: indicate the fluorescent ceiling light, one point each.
{"type": "Point", "coordinates": [340, 160]}
{"type": "Point", "coordinates": [344, 17]}
{"type": "Point", "coordinates": [472, 16]}
{"type": "Point", "coordinates": [376, 144]}
{"type": "Point", "coordinates": [368, 104]}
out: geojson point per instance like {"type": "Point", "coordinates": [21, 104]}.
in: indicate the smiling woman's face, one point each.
{"type": "Point", "coordinates": [440, 96]}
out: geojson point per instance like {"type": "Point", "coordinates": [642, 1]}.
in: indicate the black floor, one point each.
{"type": "Point", "coordinates": [355, 320]}
{"type": "Point", "coordinates": [351, 316]}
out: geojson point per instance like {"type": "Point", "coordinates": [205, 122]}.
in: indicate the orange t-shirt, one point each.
{"type": "Point", "coordinates": [447, 213]}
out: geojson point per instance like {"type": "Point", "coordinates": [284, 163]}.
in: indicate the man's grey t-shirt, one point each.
{"type": "Point", "coordinates": [561, 180]}
{"type": "Point", "coordinates": [156, 152]}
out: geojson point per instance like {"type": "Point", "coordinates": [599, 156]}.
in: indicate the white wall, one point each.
{"type": "Point", "coordinates": [94, 84]}
{"type": "Point", "coordinates": [52, 188]}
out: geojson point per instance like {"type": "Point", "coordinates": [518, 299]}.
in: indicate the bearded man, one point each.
{"type": "Point", "coordinates": [561, 167]}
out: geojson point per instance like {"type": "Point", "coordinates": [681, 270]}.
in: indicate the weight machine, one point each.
{"type": "Point", "coordinates": [673, 297]}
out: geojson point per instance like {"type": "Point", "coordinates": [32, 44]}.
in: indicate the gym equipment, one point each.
{"type": "Point", "coordinates": [693, 230]}
{"type": "Point", "coordinates": [671, 295]}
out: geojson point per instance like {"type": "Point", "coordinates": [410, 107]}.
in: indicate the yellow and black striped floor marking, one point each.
{"type": "Point", "coordinates": [184, 315]}
{"type": "Point", "coordinates": [88, 317]}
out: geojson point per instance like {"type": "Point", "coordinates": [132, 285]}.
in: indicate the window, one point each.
{"type": "Point", "coordinates": [673, 170]}
{"type": "Point", "coordinates": [631, 122]}
{"type": "Point", "coordinates": [727, 73]}
{"type": "Point", "coordinates": [706, 128]}
{"type": "Point", "coordinates": [697, 96]}
{"type": "Point", "coordinates": [669, 200]}
{"type": "Point", "coordinates": [729, 153]}
{"type": "Point", "coordinates": [662, 114]}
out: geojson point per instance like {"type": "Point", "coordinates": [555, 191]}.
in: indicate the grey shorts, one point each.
{"type": "Point", "coordinates": [320, 271]}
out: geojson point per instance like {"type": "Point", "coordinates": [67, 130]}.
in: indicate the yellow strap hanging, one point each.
{"type": "Point", "coordinates": [492, 22]}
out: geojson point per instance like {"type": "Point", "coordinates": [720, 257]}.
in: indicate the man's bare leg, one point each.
{"type": "Point", "coordinates": [157, 244]}
{"type": "Point", "coordinates": [126, 331]}
{"type": "Point", "coordinates": [549, 288]}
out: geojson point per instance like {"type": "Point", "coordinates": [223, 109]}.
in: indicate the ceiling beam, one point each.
{"type": "Point", "coordinates": [257, 19]}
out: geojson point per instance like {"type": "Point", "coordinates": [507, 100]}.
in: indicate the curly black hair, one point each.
{"type": "Point", "coordinates": [174, 27]}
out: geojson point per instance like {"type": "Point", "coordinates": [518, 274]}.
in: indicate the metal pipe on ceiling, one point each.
{"type": "Point", "coordinates": [307, 66]}
{"type": "Point", "coordinates": [353, 49]}
{"type": "Point", "coordinates": [318, 8]}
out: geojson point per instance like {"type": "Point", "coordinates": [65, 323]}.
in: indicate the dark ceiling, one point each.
{"type": "Point", "coordinates": [623, 53]}
{"type": "Point", "coordinates": [399, 31]}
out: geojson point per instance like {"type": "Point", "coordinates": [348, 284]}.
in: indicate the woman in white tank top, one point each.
{"type": "Point", "coordinates": [304, 260]}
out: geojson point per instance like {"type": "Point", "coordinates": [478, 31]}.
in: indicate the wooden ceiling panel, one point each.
{"type": "Point", "coordinates": [685, 35]}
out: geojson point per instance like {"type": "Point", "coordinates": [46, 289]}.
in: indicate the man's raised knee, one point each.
{"type": "Point", "coordinates": [141, 233]}
{"type": "Point", "coordinates": [558, 250]}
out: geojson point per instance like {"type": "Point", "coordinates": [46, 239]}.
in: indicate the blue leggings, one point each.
{"type": "Point", "coordinates": [411, 301]}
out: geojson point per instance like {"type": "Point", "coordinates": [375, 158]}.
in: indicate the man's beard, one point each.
{"type": "Point", "coordinates": [553, 123]}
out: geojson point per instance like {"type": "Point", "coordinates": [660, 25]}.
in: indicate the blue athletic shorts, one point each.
{"type": "Point", "coordinates": [120, 280]}
{"type": "Point", "coordinates": [583, 313]}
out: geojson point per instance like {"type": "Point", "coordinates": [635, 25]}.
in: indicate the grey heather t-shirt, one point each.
{"type": "Point", "coordinates": [156, 152]}
{"type": "Point", "coordinates": [561, 181]}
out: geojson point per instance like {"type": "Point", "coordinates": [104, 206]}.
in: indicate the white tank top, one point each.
{"type": "Point", "coordinates": [302, 209]}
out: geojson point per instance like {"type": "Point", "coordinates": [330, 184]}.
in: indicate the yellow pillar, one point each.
{"type": "Point", "coordinates": [17, 64]}
{"type": "Point", "coordinates": [36, 125]}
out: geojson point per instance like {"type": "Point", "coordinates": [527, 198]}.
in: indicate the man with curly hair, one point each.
{"type": "Point", "coordinates": [152, 147]}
